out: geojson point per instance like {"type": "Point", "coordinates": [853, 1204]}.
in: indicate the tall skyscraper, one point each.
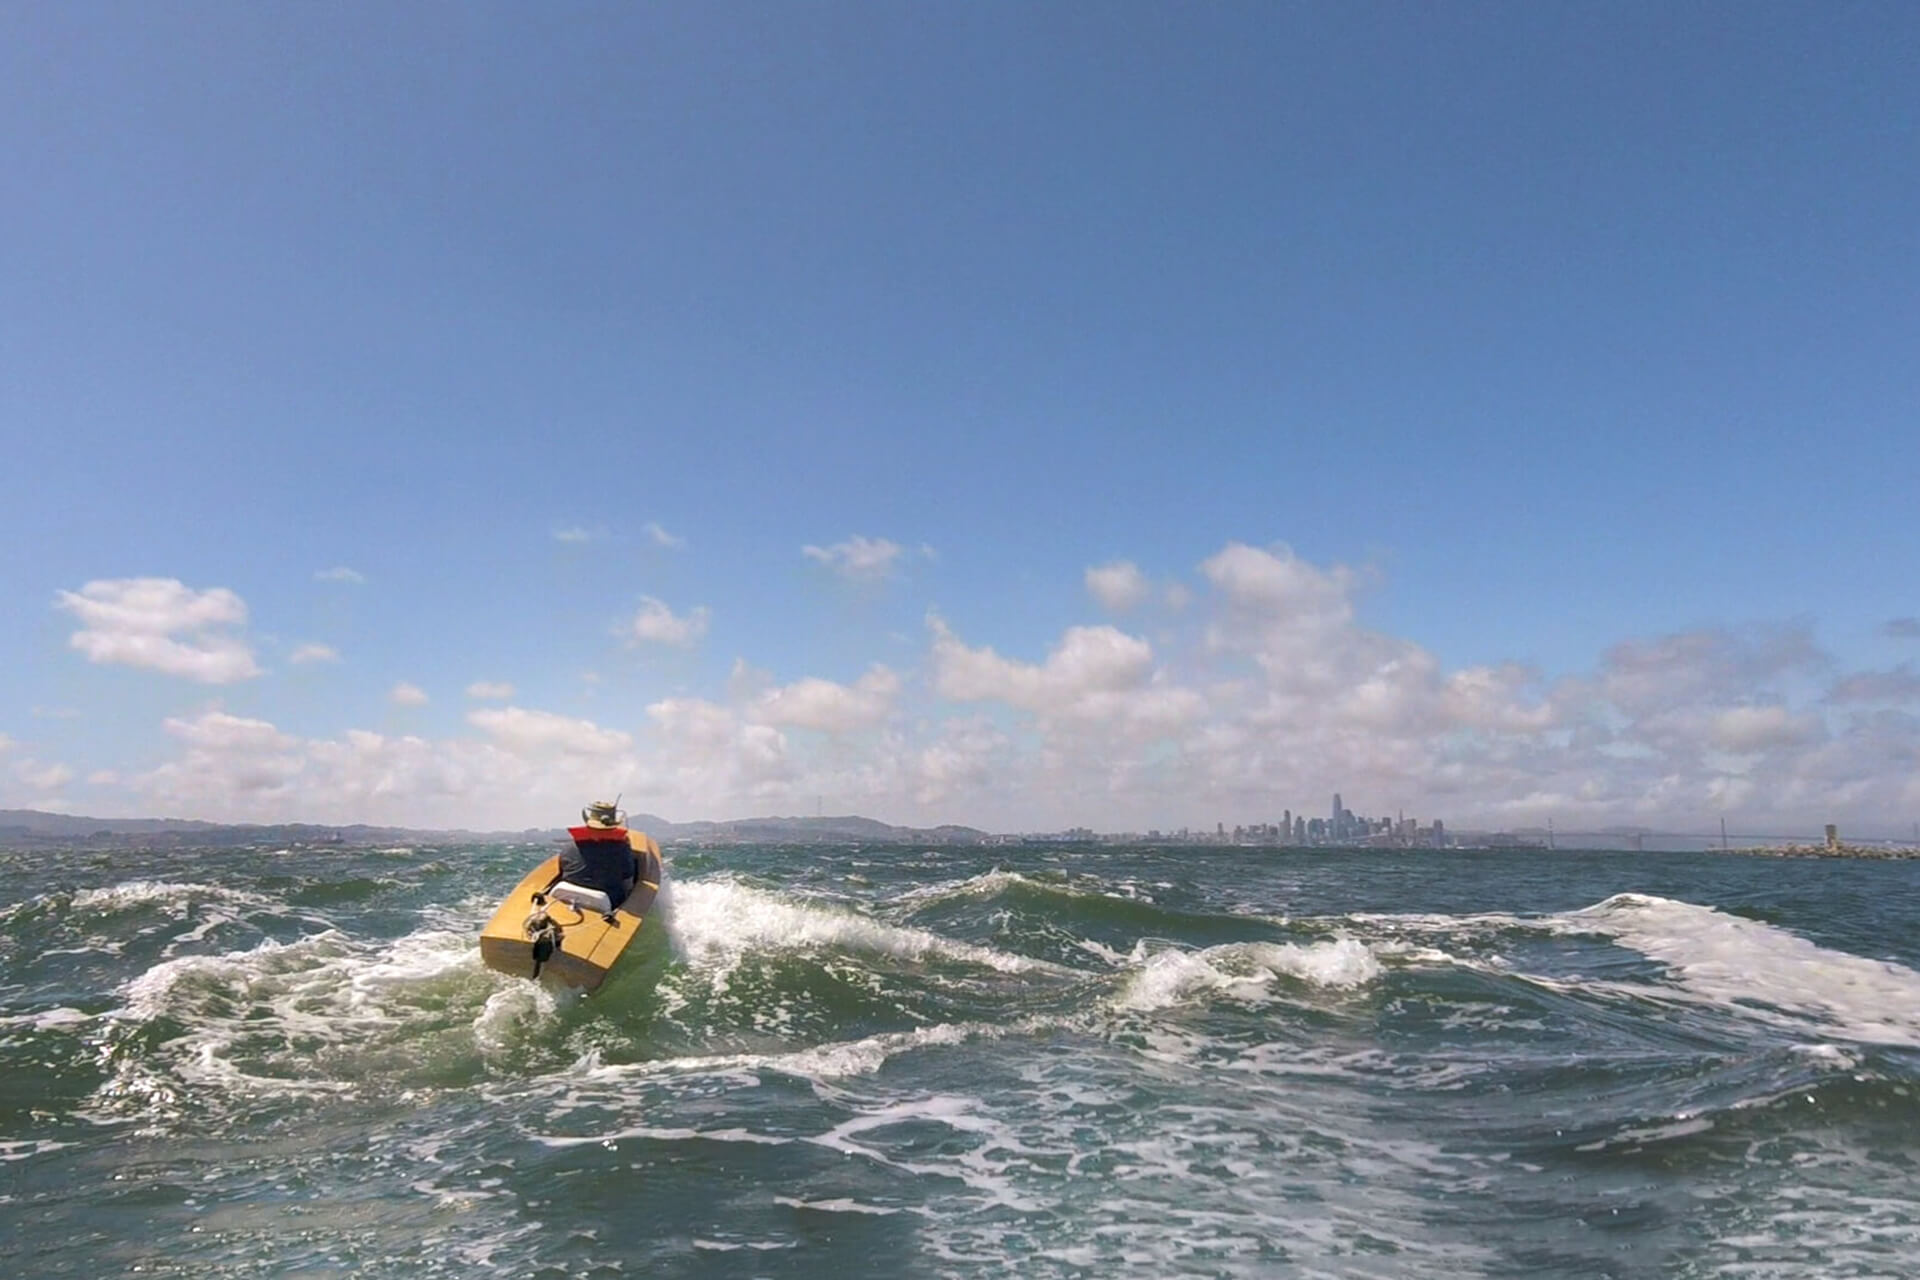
{"type": "Point", "coordinates": [1334, 828]}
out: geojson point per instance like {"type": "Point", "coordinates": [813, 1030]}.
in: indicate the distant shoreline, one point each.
{"type": "Point", "coordinates": [30, 828]}
{"type": "Point", "coordinates": [24, 829]}
{"type": "Point", "coordinates": [1876, 853]}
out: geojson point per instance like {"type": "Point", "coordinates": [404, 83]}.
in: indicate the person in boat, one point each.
{"type": "Point", "coordinates": [607, 865]}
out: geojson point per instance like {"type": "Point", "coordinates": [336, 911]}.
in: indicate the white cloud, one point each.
{"type": "Point", "coordinates": [1119, 586]}
{"type": "Point", "coordinates": [1280, 584]}
{"type": "Point", "coordinates": [1901, 684]}
{"type": "Point", "coordinates": [521, 730]}
{"type": "Point", "coordinates": [232, 766]}
{"type": "Point", "coordinates": [661, 538]}
{"type": "Point", "coordinates": [26, 779]}
{"type": "Point", "coordinates": [340, 573]}
{"type": "Point", "coordinates": [819, 704]}
{"type": "Point", "coordinates": [407, 695]}
{"type": "Point", "coordinates": [859, 559]}
{"type": "Point", "coordinates": [658, 624]}
{"type": "Point", "coordinates": [707, 750]}
{"type": "Point", "coordinates": [491, 689]}
{"type": "Point", "coordinates": [694, 722]}
{"type": "Point", "coordinates": [160, 624]}
{"type": "Point", "coordinates": [1495, 698]}
{"type": "Point", "coordinates": [962, 764]}
{"type": "Point", "coordinates": [572, 534]}
{"type": "Point", "coordinates": [42, 779]}
{"type": "Point", "coordinates": [1093, 676]}
{"type": "Point", "coordinates": [524, 767]}
{"type": "Point", "coordinates": [1711, 664]}
{"type": "Point", "coordinates": [1747, 729]}
{"type": "Point", "coordinates": [220, 731]}
{"type": "Point", "coordinates": [1087, 660]}
{"type": "Point", "coordinates": [313, 653]}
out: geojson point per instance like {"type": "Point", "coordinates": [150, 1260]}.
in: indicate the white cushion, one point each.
{"type": "Point", "coordinates": [581, 896]}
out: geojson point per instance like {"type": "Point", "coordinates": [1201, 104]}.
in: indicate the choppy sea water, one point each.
{"type": "Point", "coordinates": [1013, 1061]}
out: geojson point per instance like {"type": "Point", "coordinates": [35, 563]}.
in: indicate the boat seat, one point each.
{"type": "Point", "coordinates": [580, 896]}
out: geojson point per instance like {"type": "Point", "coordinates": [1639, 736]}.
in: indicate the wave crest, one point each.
{"type": "Point", "coordinates": [715, 922]}
{"type": "Point", "coordinates": [1732, 961]}
{"type": "Point", "coordinates": [1245, 971]}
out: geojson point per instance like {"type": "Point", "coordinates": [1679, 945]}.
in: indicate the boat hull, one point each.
{"type": "Point", "coordinates": [589, 945]}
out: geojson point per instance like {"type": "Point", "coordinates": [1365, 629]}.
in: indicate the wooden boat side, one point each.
{"type": "Point", "coordinates": [589, 946]}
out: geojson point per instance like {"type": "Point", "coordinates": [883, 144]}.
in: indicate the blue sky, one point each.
{"type": "Point", "coordinates": [1496, 412]}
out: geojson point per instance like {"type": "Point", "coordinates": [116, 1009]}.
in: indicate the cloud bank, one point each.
{"type": "Point", "coordinates": [1250, 685]}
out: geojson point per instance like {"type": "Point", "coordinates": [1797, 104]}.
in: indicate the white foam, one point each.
{"type": "Point", "coordinates": [1678, 1127]}
{"type": "Point", "coordinates": [146, 893]}
{"type": "Point", "coordinates": [47, 1019]}
{"type": "Point", "coordinates": [214, 905]}
{"type": "Point", "coordinates": [1831, 1055]}
{"type": "Point", "coordinates": [1244, 971]}
{"type": "Point", "coordinates": [1737, 963]}
{"type": "Point", "coordinates": [989, 884]}
{"type": "Point", "coordinates": [841, 1205]}
{"type": "Point", "coordinates": [325, 974]}
{"type": "Point", "coordinates": [12, 1149]}
{"type": "Point", "coordinates": [983, 1165]}
{"type": "Point", "coordinates": [1102, 951]}
{"type": "Point", "coordinates": [985, 885]}
{"type": "Point", "coordinates": [833, 1061]}
{"type": "Point", "coordinates": [717, 922]}
{"type": "Point", "coordinates": [262, 1020]}
{"type": "Point", "coordinates": [1427, 921]}
{"type": "Point", "coordinates": [652, 1133]}
{"type": "Point", "coordinates": [501, 1022]}
{"type": "Point", "coordinates": [866, 1056]}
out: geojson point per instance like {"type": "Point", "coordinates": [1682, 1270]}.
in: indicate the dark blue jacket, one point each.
{"type": "Point", "coordinates": [607, 865]}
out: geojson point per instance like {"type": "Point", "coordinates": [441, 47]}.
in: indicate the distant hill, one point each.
{"type": "Point", "coordinates": [65, 826]}
{"type": "Point", "coordinates": [31, 827]}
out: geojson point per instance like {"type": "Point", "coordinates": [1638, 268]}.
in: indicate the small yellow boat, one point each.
{"type": "Point", "coordinates": [576, 913]}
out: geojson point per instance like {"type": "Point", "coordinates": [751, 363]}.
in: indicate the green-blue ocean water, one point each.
{"type": "Point", "coordinates": [1032, 1061]}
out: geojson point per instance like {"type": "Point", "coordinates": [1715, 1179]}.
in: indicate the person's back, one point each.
{"type": "Point", "coordinates": [606, 865]}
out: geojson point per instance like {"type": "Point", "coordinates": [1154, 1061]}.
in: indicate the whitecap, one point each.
{"type": "Point", "coordinates": [1762, 970]}
{"type": "Point", "coordinates": [715, 923]}
{"type": "Point", "coordinates": [47, 1019]}
{"type": "Point", "coordinates": [143, 893]}
{"type": "Point", "coordinates": [12, 1149]}
{"type": "Point", "coordinates": [843, 1204]}
{"type": "Point", "coordinates": [1244, 971]}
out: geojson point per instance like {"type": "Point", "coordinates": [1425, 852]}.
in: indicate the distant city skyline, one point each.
{"type": "Point", "coordinates": [1028, 417]}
